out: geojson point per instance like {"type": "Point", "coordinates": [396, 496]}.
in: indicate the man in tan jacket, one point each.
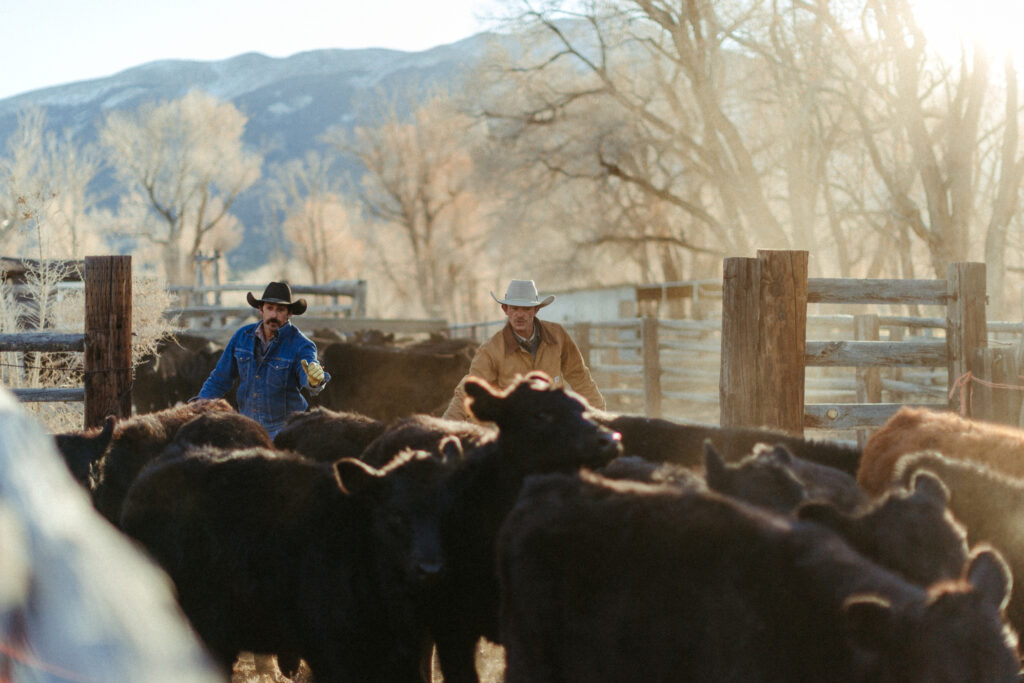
{"type": "Point", "coordinates": [525, 344]}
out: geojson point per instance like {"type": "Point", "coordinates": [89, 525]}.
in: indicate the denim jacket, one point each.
{"type": "Point", "coordinates": [270, 392]}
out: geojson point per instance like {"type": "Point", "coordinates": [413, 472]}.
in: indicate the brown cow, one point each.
{"type": "Point", "coordinates": [912, 430]}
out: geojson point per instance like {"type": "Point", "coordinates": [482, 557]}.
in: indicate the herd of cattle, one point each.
{"type": "Point", "coordinates": [371, 373]}
{"type": "Point", "coordinates": [592, 546]}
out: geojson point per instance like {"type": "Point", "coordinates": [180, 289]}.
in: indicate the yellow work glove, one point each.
{"type": "Point", "coordinates": [314, 372]}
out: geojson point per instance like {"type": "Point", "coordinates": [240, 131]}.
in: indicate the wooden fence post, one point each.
{"type": "Point", "coordinates": [782, 338]}
{"type": "Point", "coordinates": [966, 327]}
{"type": "Point", "coordinates": [108, 338]}
{"type": "Point", "coordinates": [737, 380]}
{"type": "Point", "coordinates": [652, 366]}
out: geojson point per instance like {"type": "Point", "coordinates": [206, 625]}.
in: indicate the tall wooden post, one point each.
{"type": "Point", "coordinates": [108, 338]}
{"type": "Point", "coordinates": [737, 380]}
{"type": "Point", "coordinates": [782, 339]}
{"type": "Point", "coordinates": [966, 326]}
{"type": "Point", "coordinates": [652, 366]}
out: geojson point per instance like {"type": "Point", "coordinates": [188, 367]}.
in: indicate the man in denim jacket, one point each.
{"type": "Point", "coordinates": [272, 360]}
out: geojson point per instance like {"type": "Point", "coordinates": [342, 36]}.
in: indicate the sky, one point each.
{"type": "Point", "coordinates": [54, 42]}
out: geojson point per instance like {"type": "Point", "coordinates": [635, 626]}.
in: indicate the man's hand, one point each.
{"type": "Point", "coordinates": [314, 372]}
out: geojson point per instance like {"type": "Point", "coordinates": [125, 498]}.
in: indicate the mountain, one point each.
{"type": "Point", "coordinates": [289, 101]}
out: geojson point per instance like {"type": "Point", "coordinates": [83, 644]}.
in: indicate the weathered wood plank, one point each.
{"type": "Point", "coordinates": [737, 395]}
{"type": "Point", "coordinates": [42, 341]}
{"type": "Point", "coordinates": [336, 288]}
{"type": "Point", "coordinates": [839, 416]}
{"type": "Point", "coordinates": [49, 394]}
{"type": "Point", "coordinates": [345, 325]}
{"type": "Point", "coordinates": [208, 311]}
{"type": "Point", "coordinates": [841, 353]}
{"type": "Point", "coordinates": [875, 291]}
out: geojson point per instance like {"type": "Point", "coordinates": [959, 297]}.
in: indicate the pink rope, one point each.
{"type": "Point", "coordinates": [967, 381]}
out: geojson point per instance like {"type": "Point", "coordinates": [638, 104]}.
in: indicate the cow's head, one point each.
{"type": "Point", "coordinates": [81, 450]}
{"type": "Point", "coordinates": [542, 427]}
{"type": "Point", "coordinates": [766, 482]}
{"type": "Point", "coordinates": [404, 498]}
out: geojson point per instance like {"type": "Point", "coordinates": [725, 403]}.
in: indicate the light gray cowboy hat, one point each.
{"type": "Point", "coordinates": [278, 293]}
{"type": "Point", "coordinates": [523, 293]}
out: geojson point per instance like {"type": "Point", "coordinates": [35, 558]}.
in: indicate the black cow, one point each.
{"type": "Point", "coordinates": [275, 552]}
{"type": "Point", "coordinates": [669, 441]}
{"type": "Point", "coordinates": [175, 373]}
{"type": "Point", "coordinates": [327, 435]}
{"type": "Point", "coordinates": [540, 429]}
{"type": "Point", "coordinates": [611, 581]}
{"type": "Point", "coordinates": [911, 532]}
{"type": "Point", "coordinates": [426, 433]}
{"type": "Point", "coordinates": [388, 382]}
{"type": "Point", "coordinates": [822, 482]}
{"type": "Point", "coordinates": [223, 429]}
{"type": "Point", "coordinates": [987, 502]}
{"type": "Point", "coordinates": [133, 443]}
{"type": "Point", "coordinates": [765, 482]}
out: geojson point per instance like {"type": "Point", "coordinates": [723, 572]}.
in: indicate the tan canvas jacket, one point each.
{"type": "Point", "coordinates": [501, 361]}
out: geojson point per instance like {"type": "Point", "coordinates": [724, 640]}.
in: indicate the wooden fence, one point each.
{"type": "Point", "coordinates": [105, 343]}
{"type": "Point", "coordinates": [843, 373]}
{"type": "Point", "coordinates": [765, 350]}
{"type": "Point", "coordinates": [203, 305]}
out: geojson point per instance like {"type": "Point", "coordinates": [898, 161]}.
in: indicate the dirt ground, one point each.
{"type": "Point", "coordinates": [490, 663]}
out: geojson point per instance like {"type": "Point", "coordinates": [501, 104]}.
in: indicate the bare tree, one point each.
{"type": "Point", "coordinates": [316, 217]}
{"type": "Point", "coordinates": [184, 164]}
{"type": "Point", "coordinates": [715, 127]}
{"type": "Point", "coordinates": [46, 208]}
{"type": "Point", "coordinates": [655, 102]}
{"type": "Point", "coordinates": [941, 135]}
{"type": "Point", "coordinates": [417, 184]}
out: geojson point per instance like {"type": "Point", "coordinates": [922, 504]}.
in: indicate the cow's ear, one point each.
{"type": "Point", "coordinates": [714, 466]}
{"type": "Point", "coordinates": [353, 475]}
{"type": "Point", "coordinates": [450, 449]}
{"type": "Point", "coordinates": [869, 620]}
{"type": "Point", "coordinates": [927, 487]}
{"type": "Point", "coordinates": [988, 572]}
{"type": "Point", "coordinates": [108, 427]}
{"type": "Point", "coordinates": [782, 455]}
{"type": "Point", "coordinates": [482, 399]}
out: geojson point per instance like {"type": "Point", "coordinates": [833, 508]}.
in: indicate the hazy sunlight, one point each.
{"type": "Point", "coordinates": [995, 23]}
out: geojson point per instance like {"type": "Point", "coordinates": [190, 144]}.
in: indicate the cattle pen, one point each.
{"type": "Point", "coordinates": [105, 343]}
{"type": "Point", "coordinates": [833, 355]}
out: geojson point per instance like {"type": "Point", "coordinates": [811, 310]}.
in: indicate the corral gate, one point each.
{"type": "Point", "coordinates": [765, 350]}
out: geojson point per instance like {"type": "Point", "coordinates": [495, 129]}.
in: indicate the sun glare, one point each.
{"type": "Point", "coordinates": [995, 24]}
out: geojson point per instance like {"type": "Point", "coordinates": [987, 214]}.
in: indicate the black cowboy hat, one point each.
{"type": "Point", "coordinates": [278, 293]}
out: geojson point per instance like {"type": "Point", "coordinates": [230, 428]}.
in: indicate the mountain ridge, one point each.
{"type": "Point", "coordinates": [289, 101]}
